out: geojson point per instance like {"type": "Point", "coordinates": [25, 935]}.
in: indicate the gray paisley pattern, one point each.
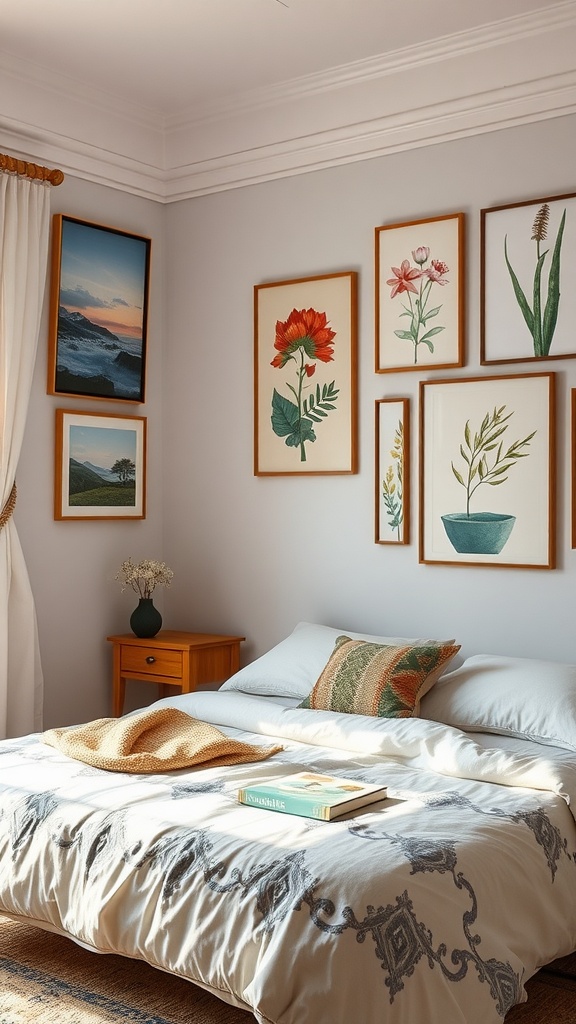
{"type": "Point", "coordinates": [402, 892]}
{"type": "Point", "coordinates": [285, 885]}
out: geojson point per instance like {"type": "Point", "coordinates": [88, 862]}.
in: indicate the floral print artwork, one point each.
{"type": "Point", "coordinates": [302, 339]}
{"type": "Point", "coordinates": [416, 283]}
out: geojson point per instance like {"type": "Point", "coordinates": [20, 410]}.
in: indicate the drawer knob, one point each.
{"type": "Point", "coordinates": [150, 660]}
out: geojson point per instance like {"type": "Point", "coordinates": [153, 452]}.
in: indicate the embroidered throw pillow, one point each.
{"type": "Point", "coordinates": [363, 678]}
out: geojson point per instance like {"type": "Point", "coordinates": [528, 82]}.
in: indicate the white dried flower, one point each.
{"type": "Point", "coordinates": [144, 576]}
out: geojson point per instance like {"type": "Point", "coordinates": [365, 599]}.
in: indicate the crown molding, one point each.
{"type": "Point", "coordinates": [81, 160]}
{"type": "Point", "coordinates": [425, 126]}
{"type": "Point", "coordinates": [345, 115]}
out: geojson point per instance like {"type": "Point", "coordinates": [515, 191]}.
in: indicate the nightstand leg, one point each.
{"type": "Point", "coordinates": [118, 694]}
{"type": "Point", "coordinates": [118, 684]}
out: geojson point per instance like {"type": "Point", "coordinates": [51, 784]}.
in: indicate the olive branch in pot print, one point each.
{"type": "Point", "coordinates": [303, 338]}
{"type": "Point", "coordinates": [487, 462]}
{"type": "Point", "coordinates": [418, 281]}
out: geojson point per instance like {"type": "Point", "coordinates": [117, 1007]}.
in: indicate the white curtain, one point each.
{"type": "Point", "coordinates": [24, 229]}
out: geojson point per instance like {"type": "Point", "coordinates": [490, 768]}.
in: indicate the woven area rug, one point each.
{"type": "Point", "coordinates": [551, 996]}
{"type": "Point", "coordinates": [47, 979]}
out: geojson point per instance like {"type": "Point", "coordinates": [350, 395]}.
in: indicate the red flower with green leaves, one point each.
{"type": "Point", "coordinates": [307, 330]}
{"type": "Point", "coordinates": [304, 336]}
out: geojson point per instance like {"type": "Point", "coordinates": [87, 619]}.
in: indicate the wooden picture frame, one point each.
{"type": "Point", "coordinates": [573, 460]}
{"type": "Point", "coordinates": [420, 294]}
{"type": "Point", "coordinates": [487, 471]}
{"type": "Point", "coordinates": [100, 466]}
{"type": "Point", "coordinates": [98, 326]}
{"type": "Point", "coordinates": [527, 298]}
{"type": "Point", "coordinates": [392, 471]}
{"type": "Point", "coordinates": [305, 376]}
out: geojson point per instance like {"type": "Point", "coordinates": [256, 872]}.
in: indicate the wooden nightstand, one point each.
{"type": "Point", "coordinates": [183, 660]}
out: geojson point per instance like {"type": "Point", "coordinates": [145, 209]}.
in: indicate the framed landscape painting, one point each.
{"type": "Point", "coordinates": [100, 466]}
{"type": "Point", "coordinates": [487, 471]}
{"type": "Point", "coordinates": [392, 471]}
{"type": "Point", "coordinates": [98, 311]}
{"type": "Point", "coordinates": [528, 300]}
{"type": "Point", "coordinates": [420, 294]}
{"type": "Point", "coordinates": [305, 376]}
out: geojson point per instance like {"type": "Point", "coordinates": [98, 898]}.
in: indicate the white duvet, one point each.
{"type": "Point", "coordinates": [434, 905]}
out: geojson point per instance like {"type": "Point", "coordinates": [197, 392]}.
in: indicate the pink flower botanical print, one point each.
{"type": "Point", "coordinates": [416, 283]}
{"type": "Point", "coordinates": [303, 337]}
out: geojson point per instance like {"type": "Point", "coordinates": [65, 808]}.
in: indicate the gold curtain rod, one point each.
{"type": "Point", "coordinates": [28, 170]}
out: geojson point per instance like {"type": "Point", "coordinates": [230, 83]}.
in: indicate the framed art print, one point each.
{"type": "Point", "coordinates": [487, 477]}
{"type": "Point", "coordinates": [98, 311]}
{"type": "Point", "coordinates": [100, 466]}
{"type": "Point", "coordinates": [392, 471]}
{"type": "Point", "coordinates": [305, 376]}
{"type": "Point", "coordinates": [528, 301]}
{"type": "Point", "coordinates": [420, 294]}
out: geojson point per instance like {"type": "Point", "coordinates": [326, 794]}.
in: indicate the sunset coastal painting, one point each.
{"type": "Point", "coordinates": [98, 311]}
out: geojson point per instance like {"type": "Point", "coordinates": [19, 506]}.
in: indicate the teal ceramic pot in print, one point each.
{"type": "Point", "coordinates": [145, 620]}
{"type": "Point", "coordinates": [480, 533]}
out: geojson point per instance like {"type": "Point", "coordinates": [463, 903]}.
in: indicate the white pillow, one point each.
{"type": "Point", "coordinates": [292, 667]}
{"type": "Point", "coordinates": [521, 697]}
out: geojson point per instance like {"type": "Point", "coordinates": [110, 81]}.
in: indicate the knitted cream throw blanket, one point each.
{"type": "Point", "coordinates": [153, 741]}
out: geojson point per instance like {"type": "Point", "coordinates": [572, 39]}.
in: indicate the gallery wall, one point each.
{"type": "Point", "coordinates": [255, 555]}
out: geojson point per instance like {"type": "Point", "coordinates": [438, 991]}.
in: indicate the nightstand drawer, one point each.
{"type": "Point", "coordinates": [151, 660]}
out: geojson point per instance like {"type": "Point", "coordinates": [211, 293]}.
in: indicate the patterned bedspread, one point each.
{"type": "Point", "coordinates": [437, 904]}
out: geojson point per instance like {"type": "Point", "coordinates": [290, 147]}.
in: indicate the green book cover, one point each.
{"type": "Point", "coordinates": [312, 795]}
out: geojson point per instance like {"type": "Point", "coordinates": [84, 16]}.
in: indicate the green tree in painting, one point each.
{"type": "Point", "coordinates": [125, 470]}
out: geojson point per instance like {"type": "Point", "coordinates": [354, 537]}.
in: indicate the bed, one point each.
{"type": "Point", "coordinates": [438, 903]}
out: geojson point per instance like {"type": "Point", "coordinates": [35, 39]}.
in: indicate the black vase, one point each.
{"type": "Point", "coordinates": [145, 620]}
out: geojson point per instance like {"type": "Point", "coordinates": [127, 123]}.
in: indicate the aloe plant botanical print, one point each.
{"type": "Point", "coordinates": [303, 338]}
{"type": "Point", "coordinates": [392, 484]}
{"type": "Point", "coordinates": [540, 307]}
{"type": "Point", "coordinates": [528, 304]}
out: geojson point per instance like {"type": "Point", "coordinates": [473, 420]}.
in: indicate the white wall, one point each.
{"type": "Point", "coordinates": [256, 555]}
{"type": "Point", "coordinates": [72, 564]}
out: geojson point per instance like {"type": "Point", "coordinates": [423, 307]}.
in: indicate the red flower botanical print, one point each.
{"type": "Point", "coordinates": [305, 329]}
{"type": "Point", "coordinates": [417, 310]}
{"type": "Point", "coordinates": [304, 336]}
{"type": "Point", "coordinates": [405, 275]}
{"type": "Point", "coordinates": [436, 272]}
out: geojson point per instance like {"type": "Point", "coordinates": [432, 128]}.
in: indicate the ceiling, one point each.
{"type": "Point", "coordinates": [170, 56]}
{"type": "Point", "coordinates": [171, 99]}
